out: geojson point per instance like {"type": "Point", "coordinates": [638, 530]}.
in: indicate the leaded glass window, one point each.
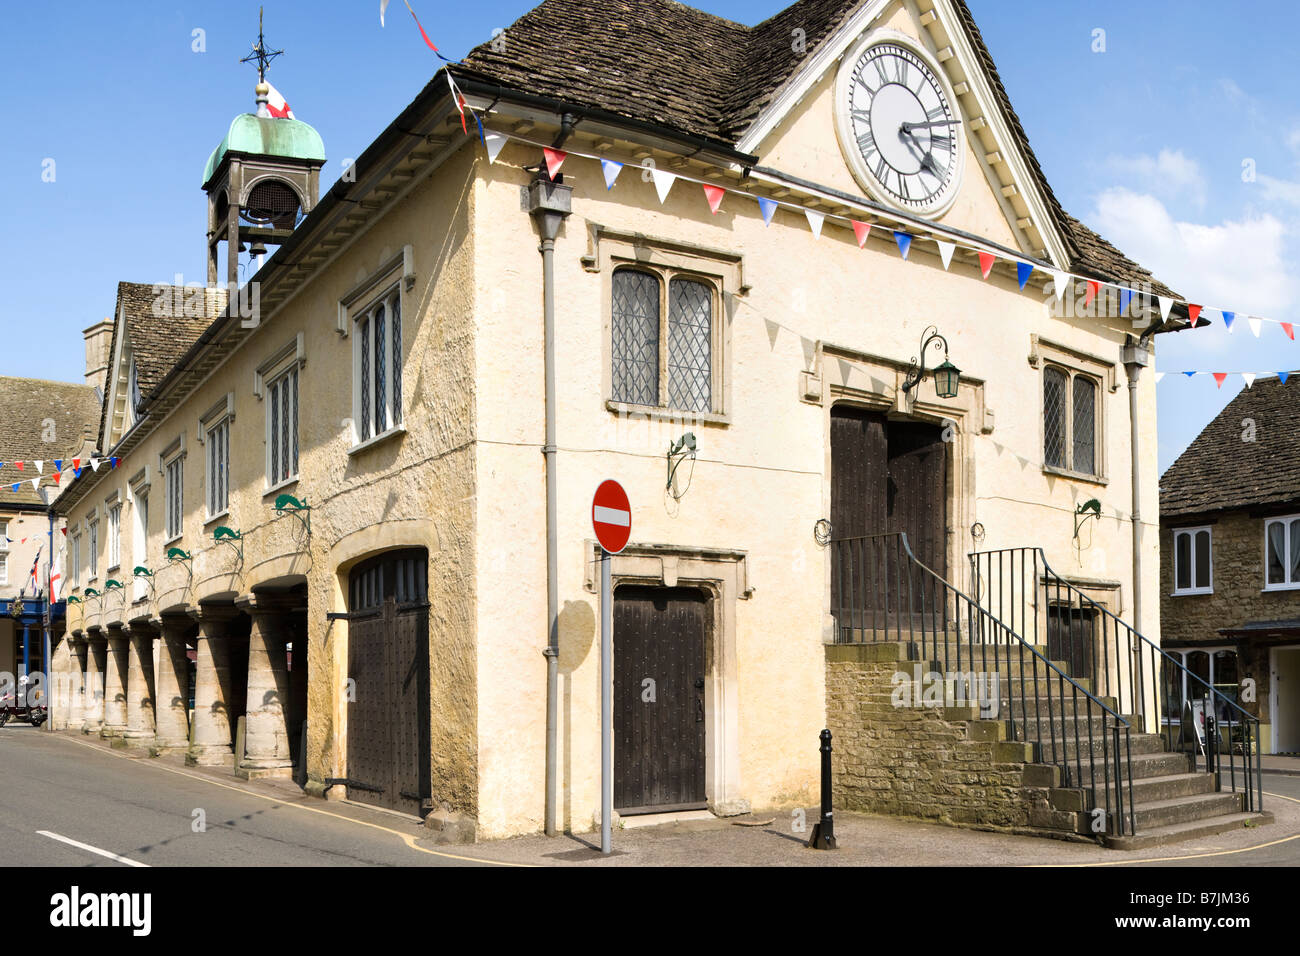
{"type": "Point", "coordinates": [282, 427]}
{"type": "Point", "coordinates": [1070, 420]}
{"type": "Point", "coordinates": [1054, 384]}
{"type": "Point", "coordinates": [1085, 432]}
{"type": "Point", "coordinates": [636, 337]}
{"type": "Point", "coordinates": [378, 346]}
{"type": "Point", "coordinates": [690, 336]}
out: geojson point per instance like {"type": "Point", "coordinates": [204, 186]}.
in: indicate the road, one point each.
{"type": "Point", "coordinates": [144, 812]}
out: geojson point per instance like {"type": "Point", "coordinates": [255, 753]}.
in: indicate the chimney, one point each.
{"type": "Point", "coordinates": [99, 340]}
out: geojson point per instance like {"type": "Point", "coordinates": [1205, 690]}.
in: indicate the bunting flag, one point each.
{"type": "Point", "coordinates": [18, 465]}
{"type": "Point", "coordinates": [1227, 319]}
{"type": "Point", "coordinates": [768, 208]}
{"type": "Point", "coordinates": [986, 263]}
{"type": "Point", "coordinates": [1159, 376]}
{"type": "Point", "coordinates": [58, 464]}
{"type": "Point", "coordinates": [663, 182]}
{"type": "Point", "coordinates": [1282, 377]}
{"type": "Point", "coordinates": [1189, 374]}
{"type": "Point", "coordinates": [1254, 324]}
{"type": "Point", "coordinates": [611, 170]}
{"type": "Point", "coordinates": [418, 24]}
{"type": "Point", "coordinates": [1125, 298]}
{"type": "Point", "coordinates": [1249, 377]}
{"type": "Point", "coordinates": [773, 330]}
{"type": "Point", "coordinates": [1023, 271]}
{"type": "Point", "coordinates": [383, 5]}
{"type": "Point", "coordinates": [1060, 283]}
{"type": "Point", "coordinates": [1165, 304]}
{"type": "Point", "coordinates": [40, 467]}
{"type": "Point", "coordinates": [1219, 377]}
{"type": "Point", "coordinates": [815, 220]}
{"type": "Point", "coordinates": [714, 195]}
{"type": "Point", "coordinates": [1289, 330]}
{"type": "Point", "coordinates": [904, 241]}
{"type": "Point", "coordinates": [946, 249]}
{"type": "Point", "coordinates": [113, 461]}
{"type": "Point", "coordinates": [1093, 288]}
{"type": "Point", "coordinates": [861, 230]}
{"type": "Point", "coordinates": [1193, 313]}
{"type": "Point", "coordinates": [494, 143]}
{"type": "Point", "coordinates": [554, 160]}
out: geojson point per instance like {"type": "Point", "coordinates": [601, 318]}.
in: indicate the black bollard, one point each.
{"type": "Point", "coordinates": [823, 835]}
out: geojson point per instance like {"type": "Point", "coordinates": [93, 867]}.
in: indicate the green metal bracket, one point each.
{"type": "Point", "coordinates": [1089, 509]}
{"type": "Point", "coordinates": [73, 599]}
{"type": "Point", "coordinates": [142, 572]}
{"type": "Point", "coordinates": [231, 537]}
{"type": "Point", "coordinates": [112, 584]}
{"type": "Point", "coordinates": [176, 555]}
{"type": "Point", "coordinates": [91, 592]}
{"type": "Point", "coordinates": [289, 505]}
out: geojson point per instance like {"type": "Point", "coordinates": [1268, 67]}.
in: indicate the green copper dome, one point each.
{"type": "Point", "coordinates": [267, 136]}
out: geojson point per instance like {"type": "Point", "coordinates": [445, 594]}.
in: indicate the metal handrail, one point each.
{"type": "Point", "coordinates": [872, 598]}
{"type": "Point", "coordinates": [1138, 645]}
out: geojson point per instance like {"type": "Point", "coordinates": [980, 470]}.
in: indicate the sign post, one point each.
{"type": "Point", "coordinates": [611, 519]}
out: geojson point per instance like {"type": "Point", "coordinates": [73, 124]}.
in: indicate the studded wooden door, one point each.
{"type": "Point", "coordinates": [388, 661]}
{"type": "Point", "coordinates": [659, 721]}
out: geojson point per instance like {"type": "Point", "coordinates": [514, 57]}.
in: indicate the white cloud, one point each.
{"type": "Point", "coordinates": [1170, 174]}
{"type": "Point", "coordinates": [1238, 264]}
{"type": "Point", "coordinates": [1279, 190]}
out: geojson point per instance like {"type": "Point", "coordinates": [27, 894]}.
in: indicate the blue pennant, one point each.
{"type": "Point", "coordinates": [1125, 297]}
{"type": "Point", "coordinates": [58, 464]}
{"type": "Point", "coordinates": [1281, 377]}
{"type": "Point", "coordinates": [1227, 320]}
{"type": "Point", "coordinates": [1023, 271]}
{"type": "Point", "coordinates": [767, 207]}
{"type": "Point", "coordinates": [611, 170]}
{"type": "Point", "coordinates": [1189, 374]}
{"type": "Point", "coordinates": [904, 242]}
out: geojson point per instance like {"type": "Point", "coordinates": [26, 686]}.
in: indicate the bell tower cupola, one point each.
{"type": "Point", "coordinates": [262, 179]}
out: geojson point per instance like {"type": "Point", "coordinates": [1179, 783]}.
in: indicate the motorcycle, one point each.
{"type": "Point", "coordinates": [32, 713]}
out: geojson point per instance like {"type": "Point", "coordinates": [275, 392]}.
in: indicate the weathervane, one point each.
{"type": "Point", "coordinates": [260, 53]}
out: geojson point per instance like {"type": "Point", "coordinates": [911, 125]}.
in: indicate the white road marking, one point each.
{"type": "Point", "coordinates": [91, 849]}
{"type": "Point", "coordinates": [612, 516]}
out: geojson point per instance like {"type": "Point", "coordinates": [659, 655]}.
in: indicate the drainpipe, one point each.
{"type": "Point", "coordinates": [1136, 356]}
{"type": "Point", "coordinates": [549, 203]}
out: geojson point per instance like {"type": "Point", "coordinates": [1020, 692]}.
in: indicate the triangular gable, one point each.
{"type": "Point", "coordinates": [994, 136]}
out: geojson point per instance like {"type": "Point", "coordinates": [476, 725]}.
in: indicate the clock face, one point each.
{"type": "Point", "coordinates": [898, 127]}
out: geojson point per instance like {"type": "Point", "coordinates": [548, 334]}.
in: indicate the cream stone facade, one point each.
{"type": "Point", "coordinates": [799, 325]}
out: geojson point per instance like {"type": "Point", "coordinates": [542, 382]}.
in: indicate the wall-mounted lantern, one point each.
{"type": "Point", "coordinates": [946, 377]}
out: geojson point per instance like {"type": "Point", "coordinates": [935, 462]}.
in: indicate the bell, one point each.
{"type": "Point", "coordinates": [258, 249]}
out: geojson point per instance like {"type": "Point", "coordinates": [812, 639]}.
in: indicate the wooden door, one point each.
{"type": "Point", "coordinates": [659, 721]}
{"type": "Point", "coordinates": [916, 493]}
{"type": "Point", "coordinates": [1071, 636]}
{"type": "Point", "coordinates": [388, 661]}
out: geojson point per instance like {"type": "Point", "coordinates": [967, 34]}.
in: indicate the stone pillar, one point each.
{"type": "Point", "coordinates": [77, 679]}
{"type": "Point", "coordinates": [96, 664]}
{"type": "Point", "coordinates": [115, 683]}
{"type": "Point", "coordinates": [140, 697]}
{"type": "Point", "coordinates": [172, 687]}
{"type": "Point", "coordinates": [266, 723]}
{"type": "Point", "coordinates": [211, 746]}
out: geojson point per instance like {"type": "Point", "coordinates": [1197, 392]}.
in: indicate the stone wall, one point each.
{"type": "Point", "coordinates": [941, 764]}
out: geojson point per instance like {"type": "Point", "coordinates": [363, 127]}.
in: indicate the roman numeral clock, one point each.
{"type": "Point", "coordinates": [898, 125]}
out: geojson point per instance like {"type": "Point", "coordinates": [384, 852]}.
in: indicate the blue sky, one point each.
{"type": "Point", "coordinates": [1145, 142]}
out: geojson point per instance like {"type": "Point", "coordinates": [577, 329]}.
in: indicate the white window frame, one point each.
{"type": "Point", "coordinates": [1290, 585]}
{"type": "Point", "coordinates": [139, 485]}
{"type": "Point", "coordinates": [271, 375]}
{"type": "Point", "coordinates": [1173, 560]}
{"type": "Point", "coordinates": [113, 511]}
{"type": "Point", "coordinates": [173, 490]}
{"type": "Point", "coordinates": [389, 294]}
{"type": "Point", "coordinates": [92, 546]}
{"type": "Point", "coordinates": [221, 415]}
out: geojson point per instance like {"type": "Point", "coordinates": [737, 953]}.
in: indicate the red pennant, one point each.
{"type": "Point", "coordinates": [1219, 377]}
{"type": "Point", "coordinates": [18, 465]}
{"type": "Point", "coordinates": [554, 159]}
{"type": "Point", "coordinates": [58, 476]}
{"type": "Point", "coordinates": [1093, 288]}
{"type": "Point", "coordinates": [76, 464]}
{"type": "Point", "coordinates": [1290, 332]}
{"type": "Point", "coordinates": [422, 33]}
{"type": "Point", "coordinates": [986, 263]}
{"type": "Point", "coordinates": [714, 194]}
{"type": "Point", "coordinates": [861, 230]}
{"type": "Point", "coordinates": [1193, 312]}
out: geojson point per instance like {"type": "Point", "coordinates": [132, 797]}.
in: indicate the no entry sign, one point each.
{"type": "Point", "coordinates": [611, 516]}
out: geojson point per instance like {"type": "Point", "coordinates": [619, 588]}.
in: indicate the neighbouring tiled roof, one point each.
{"type": "Point", "coordinates": [30, 409]}
{"type": "Point", "coordinates": [1220, 470]}
{"type": "Point", "coordinates": [661, 62]}
{"type": "Point", "coordinates": [159, 333]}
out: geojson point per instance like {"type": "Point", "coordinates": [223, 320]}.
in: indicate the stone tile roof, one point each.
{"type": "Point", "coordinates": [661, 62]}
{"type": "Point", "coordinates": [29, 407]}
{"type": "Point", "coordinates": [159, 329]}
{"type": "Point", "coordinates": [1220, 471]}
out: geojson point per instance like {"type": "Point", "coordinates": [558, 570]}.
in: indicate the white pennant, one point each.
{"type": "Point", "coordinates": [40, 467]}
{"type": "Point", "coordinates": [663, 182]}
{"type": "Point", "coordinates": [1061, 280]}
{"type": "Point", "coordinates": [815, 220]}
{"type": "Point", "coordinates": [1159, 376]}
{"type": "Point", "coordinates": [494, 142]}
{"type": "Point", "coordinates": [383, 5]}
{"type": "Point", "coordinates": [946, 250]}
{"type": "Point", "coordinates": [1254, 324]}
{"type": "Point", "coordinates": [1249, 377]}
{"type": "Point", "coordinates": [1166, 304]}
{"type": "Point", "coordinates": [94, 464]}
{"type": "Point", "coordinates": [36, 484]}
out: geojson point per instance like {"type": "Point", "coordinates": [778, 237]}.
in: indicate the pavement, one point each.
{"type": "Point", "coordinates": [73, 801]}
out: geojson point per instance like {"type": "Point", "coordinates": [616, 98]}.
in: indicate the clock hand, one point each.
{"type": "Point", "coordinates": [908, 127]}
{"type": "Point", "coordinates": [927, 159]}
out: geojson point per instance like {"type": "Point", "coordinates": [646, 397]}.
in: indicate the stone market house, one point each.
{"type": "Point", "coordinates": [43, 422]}
{"type": "Point", "coordinates": [1230, 553]}
{"type": "Point", "coordinates": [364, 505]}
